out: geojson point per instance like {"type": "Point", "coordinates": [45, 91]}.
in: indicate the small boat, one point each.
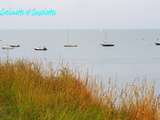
{"type": "Point", "coordinates": [107, 44]}
{"type": "Point", "coordinates": [14, 45]}
{"type": "Point", "coordinates": [157, 43]}
{"type": "Point", "coordinates": [7, 48]}
{"type": "Point", "coordinates": [69, 44]}
{"type": "Point", "coordinates": [41, 49]}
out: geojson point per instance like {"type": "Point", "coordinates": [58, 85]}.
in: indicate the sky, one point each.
{"type": "Point", "coordinates": [85, 14]}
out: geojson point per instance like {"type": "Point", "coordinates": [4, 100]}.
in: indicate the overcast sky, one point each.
{"type": "Point", "coordinates": [96, 14]}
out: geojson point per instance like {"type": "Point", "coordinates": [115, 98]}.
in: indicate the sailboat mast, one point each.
{"type": "Point", "coordinates": [67, 37]}
{"type": "Point", "coordinates": [105, 36]}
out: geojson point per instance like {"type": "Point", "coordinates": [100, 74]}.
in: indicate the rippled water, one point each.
{"type": "Point", "coordinates": [134, 57]}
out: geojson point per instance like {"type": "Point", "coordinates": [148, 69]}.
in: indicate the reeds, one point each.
{"type": "Point", "coordinates": [29, 93]}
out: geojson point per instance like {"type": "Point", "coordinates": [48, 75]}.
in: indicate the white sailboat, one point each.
{"type": "Point", "coordinates": [157, 42]}
{"type": "Point", "coordinates": [7, 48]}
{"type": "Point", "coordinates": [14, 45]}
{"type": "Point", "coordinates": [68, 44]}
{"type": "Point", "coordinates": [105, 43]}
{"type": "Point", "coordinates": [41, 48]}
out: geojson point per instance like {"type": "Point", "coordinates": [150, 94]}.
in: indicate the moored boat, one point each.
{"type": "Point", "coordinates": [106, 43]}
{"type": "Point", "coordinates": [7, 48]}
{"type": "Point", "coordinates": [41, 49]}
{"type": "Point", "coordinates": [14, 45]}
{"type": "Point", "coordinates": [157, 43]}
{"type": "Point", "coordinates": [67, 45]}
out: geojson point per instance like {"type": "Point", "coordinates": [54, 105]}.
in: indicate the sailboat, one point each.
{"type": "Point", "coordinates": [158, 42]}
{"type": "Point", "coordinates": [14, 45]}
{"type": "Point", "coordinates": [7, 48]}
{"type": "Point", "coordinates": [69, 45]}
{"type": "Point", "coordinates": [107, 44]}
{"type": "Point", "coordinates": [41, 49]}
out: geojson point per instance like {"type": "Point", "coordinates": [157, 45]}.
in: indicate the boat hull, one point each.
{"type": "Point", "coordinates": [107, 45]}
{"type": "Point", "coordinates": [7, 48]}
{"type": "Point", "coordinates": [14, 46]}
{"type": "Point", "coordinates": [158, 44]}
{"type": "Point", "coordinates": [70, 45]}
{"type": "Point", "coordinates": [43, 49]}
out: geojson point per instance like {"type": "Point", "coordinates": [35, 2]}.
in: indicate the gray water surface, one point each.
{"type": "Point", "coordinates": [134, 57]}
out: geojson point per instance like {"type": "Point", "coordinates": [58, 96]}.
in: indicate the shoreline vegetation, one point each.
{"type": "Point", "coordinates": [27, 93]}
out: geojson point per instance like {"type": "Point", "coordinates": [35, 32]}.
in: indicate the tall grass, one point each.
{"type": "Point", "coordinates": [29, 93]}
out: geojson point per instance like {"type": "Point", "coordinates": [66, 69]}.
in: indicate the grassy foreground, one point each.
{"type": "Point", "coordinates": [27, 93]}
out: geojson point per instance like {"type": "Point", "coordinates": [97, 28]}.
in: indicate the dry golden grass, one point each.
{"type": "Point", "coordinates": [29, 93]}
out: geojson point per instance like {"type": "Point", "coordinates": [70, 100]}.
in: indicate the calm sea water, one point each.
{"type": "Point", "coordinates": [134, 57]}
